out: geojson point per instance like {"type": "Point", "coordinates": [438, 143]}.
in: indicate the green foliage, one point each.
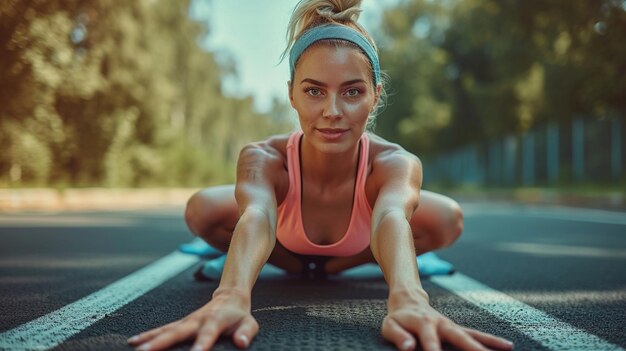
{"type": "Point", "coordinates": [109, 93]}
{"type": "Point", "coordinates": [466, 70]}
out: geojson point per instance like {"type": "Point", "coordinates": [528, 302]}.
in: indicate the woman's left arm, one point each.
{"type": "Point", "coordinates": [398, 177]}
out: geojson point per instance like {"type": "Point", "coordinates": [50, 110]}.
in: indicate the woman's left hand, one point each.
{"type": "Point", "coordinates": [411, 320]}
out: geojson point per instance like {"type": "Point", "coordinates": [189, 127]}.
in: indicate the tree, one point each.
{"type": "Point", "coordinates": [464, 71]}
{"type": "Point", "coordinates": [116, 94]}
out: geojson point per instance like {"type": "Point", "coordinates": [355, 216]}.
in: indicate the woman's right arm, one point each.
{"type": "Point", "coordinates": [254, 237]}
{"type": "Point", "coordinates": [229, 311]}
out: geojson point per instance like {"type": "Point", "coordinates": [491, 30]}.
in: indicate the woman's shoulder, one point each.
{"type": "Point", "coordinates": [272, 148]}
{"type": "Point", "coordinates": [382, 149]}
{"type": "Point", "coordinates": [267, 157]}
{"type": "Point", "coordinates": [278, 142]}
{"type": "Point", "coordinates": [390, 159]}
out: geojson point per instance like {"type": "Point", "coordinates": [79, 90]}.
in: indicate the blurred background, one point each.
{"type": "Point", "coordinates": [490, 94]}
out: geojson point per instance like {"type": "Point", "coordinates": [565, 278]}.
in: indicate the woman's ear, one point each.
{"type": "Point", "coordinates": [377, 91]}
{"type": "Point", "coordinates": [290, 88]}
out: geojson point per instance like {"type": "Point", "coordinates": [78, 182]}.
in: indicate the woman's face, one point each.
{"type": "Point", "coordinates": [333, 95]}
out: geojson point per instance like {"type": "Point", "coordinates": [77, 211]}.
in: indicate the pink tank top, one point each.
{"type": "Point", "coordinates": [290, 229]}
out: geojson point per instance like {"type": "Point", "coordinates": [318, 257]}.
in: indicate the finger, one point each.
{"type": "Point", "coordinates": [145, 336]}
{"type": "Point", "coordinates": [394, 333]}
{"type": "Point", "coordinates": [207, 336]}
{"type": "Point", "coordinates": [490, 340]}
{"type": "Point", "coordinates": [246, 331]}
{"type": "Point", "coordinates": [429, 339]}
{"type": "Point", "coordinates": [458, 337]}
{"type": "Point", "coordinates": [173, 336]}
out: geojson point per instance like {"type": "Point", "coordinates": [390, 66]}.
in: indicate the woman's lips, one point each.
{"type": "Point", "coordinates": [332, 133]}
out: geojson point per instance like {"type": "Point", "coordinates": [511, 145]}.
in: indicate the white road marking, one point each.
{"type": "Point", "coordinates": [568, 299]}
{"type": "Point", "coordinates": [42, 262]}
{"type": "Point", "coordinates": [578, 215]}
{"type": "Point", "coordinates": [65, 221]}
{"type": "Point", "coordinates": [549, 212]}
{"type": "Point", "coordinates": [538, 249]}
{"type": "Point", "coordinates": [54, 328]}
{"type": "Point", "coordinates": [548, 331]}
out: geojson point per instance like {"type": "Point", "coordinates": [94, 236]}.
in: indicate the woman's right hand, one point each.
{"type": "Point", "coordinates": [228, 313]}
{"type": "Point", "coordinates": [412, 320]}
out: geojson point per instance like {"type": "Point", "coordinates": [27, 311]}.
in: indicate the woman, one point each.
{"type": "Point", "coordinates": [330, 194]}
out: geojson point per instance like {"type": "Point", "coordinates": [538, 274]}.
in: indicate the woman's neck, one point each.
{"type": "Point", "coordinates": [328, 170]}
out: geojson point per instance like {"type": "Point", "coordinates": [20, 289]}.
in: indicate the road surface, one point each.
{"type": "Point", "coordinates": [548, 278]}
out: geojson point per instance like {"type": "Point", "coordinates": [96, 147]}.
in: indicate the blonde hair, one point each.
{"type": "Point", "coordinates": [312, 13]}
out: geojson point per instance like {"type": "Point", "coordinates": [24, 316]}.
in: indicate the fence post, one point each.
{"type": "Point", "coordinates": [578, 148]}
{"type": "Point", "coordinates": [616, 148]}
{"type": "Point", "coordinates": [528, 158]}
{"type": "Point", "coordinates": [482, 164]}
{"type": "Point", "coordinates": [552, 158]}
{"type": "Point", "coordinates": [471, 165]}
{"type": "Point", "coordinates": [495, 162]}
{"type": "Point", "coordinates": [510, 151]}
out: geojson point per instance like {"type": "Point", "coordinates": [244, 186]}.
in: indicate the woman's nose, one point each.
{"type": "Point", "coordinates": [332, 107]}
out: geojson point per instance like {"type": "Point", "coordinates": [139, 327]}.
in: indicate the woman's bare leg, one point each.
{"type": "Point", "coordinates": [212, 215]}
{"type": "Point", "coordinates": [437, 223]}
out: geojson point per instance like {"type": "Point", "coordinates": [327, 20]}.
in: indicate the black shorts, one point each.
{"type": "Point", "coordinates": [313, 266]}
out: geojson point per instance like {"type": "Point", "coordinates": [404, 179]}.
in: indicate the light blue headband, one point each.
{"type": "Point", "coordinates": [334, 31]}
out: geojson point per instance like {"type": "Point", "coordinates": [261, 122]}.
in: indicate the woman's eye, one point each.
{"type": "Point", "coordinates": [352, 92]}
{"type": "Point", "coordinates": [313, 91]}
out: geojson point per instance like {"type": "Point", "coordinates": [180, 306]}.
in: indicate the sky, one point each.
{"type": "Point", "coordinates": [252, 34]}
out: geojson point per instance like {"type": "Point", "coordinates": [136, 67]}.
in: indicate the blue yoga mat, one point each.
{"type": "Point", "coordinates": [428, 264]}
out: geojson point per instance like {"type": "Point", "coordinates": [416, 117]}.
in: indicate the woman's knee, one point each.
{"type": "Point", "coordinates": [196, 213]}
{"type": "Point", "coordinates": [208, 209]}
{"type": "Point", "coordinates": [455, 224]}
{"type": "Point", "coordinates": [440, 223]}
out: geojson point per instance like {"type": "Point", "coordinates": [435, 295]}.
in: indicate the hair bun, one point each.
{"type": "Point", "coordinates": [311, 13]}
{"type": "Point", "coordinates": [339, 10]}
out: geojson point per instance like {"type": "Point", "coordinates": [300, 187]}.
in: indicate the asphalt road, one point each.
{"type": "Point", "coordinates": [547, 278]}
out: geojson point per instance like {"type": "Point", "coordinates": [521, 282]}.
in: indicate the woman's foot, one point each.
{"type": "Point", "coordinates": [199, 247]}
{"type": "Point", "coordinates": [429, 264]}
{"type": "Point", "coordinates": [210, 270]}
